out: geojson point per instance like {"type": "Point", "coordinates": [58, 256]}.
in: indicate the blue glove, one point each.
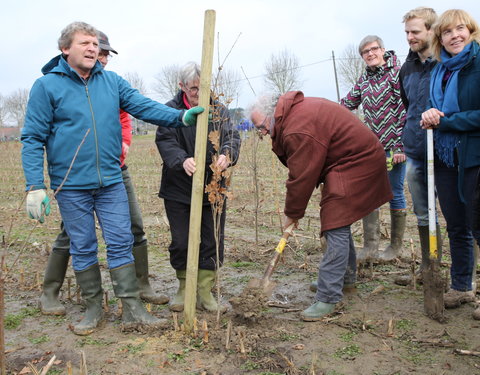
{"type": "Point", "coordinates": [37, 204]}
{"type": "Point", "coordinates": [190, 116]}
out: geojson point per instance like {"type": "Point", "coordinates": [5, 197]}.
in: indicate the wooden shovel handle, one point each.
{"type": "Point", "coordinates": [278, 252]}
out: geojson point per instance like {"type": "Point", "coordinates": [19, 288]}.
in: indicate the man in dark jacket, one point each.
{"type": "Point", "coordinates": [322, 142]}
{"type": "Point", "coordinates": [177, 148]}
{"type": "Point", "coordinates": [414, 85]}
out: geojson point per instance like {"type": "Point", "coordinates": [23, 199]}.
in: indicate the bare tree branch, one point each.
{"type": "Point", "coordinates": [350, 67]}
{"type": "Point", "coordinates": [15, 106]}
{"type": "Point", "coordinates": [136, 82]}
{"type": "Point", "coordinates": [166, 82]}
{"type": "Point", "coordinates": [282, 72]}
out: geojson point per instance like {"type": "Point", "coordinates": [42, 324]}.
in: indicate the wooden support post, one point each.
{"type": "Point", "coordinates": [199, 175]}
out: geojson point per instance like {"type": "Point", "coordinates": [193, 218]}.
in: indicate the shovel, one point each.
{"type": "Point", "coordinates": [265, 283]}
{"type": "Point", "coordinates": [433, 284]}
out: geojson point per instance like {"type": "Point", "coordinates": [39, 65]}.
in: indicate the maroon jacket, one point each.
{"type": "Point", "coordinates": [321, 141]}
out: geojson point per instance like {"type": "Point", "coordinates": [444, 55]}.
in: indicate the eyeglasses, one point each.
{"type": "Point", "coordinates": [192, 90]}
{"type": "Point", "coordinates": [262, 126]}
{"type": "Point", "coordinates": [365, 52]}
{"type": "Point", "coordinates": [106, 55]}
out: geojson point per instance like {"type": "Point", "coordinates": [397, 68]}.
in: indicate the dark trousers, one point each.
{"type": "Point", "coordinates": [178, 215]}
{"type": "Point", "coordinates": [458, 216]}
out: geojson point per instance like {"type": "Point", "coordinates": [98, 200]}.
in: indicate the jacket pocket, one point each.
{"type": "Point", "coordinates": [334, 187]}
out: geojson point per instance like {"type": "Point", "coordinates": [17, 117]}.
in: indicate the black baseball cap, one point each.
{"type": "Point", "coordinates": [104, 44]}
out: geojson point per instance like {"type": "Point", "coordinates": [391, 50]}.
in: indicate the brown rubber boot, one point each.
{"type": "Point", "coordinates": [140, 253]}
{"type": "Point", "coordinates": [398, 223]}
{"type": "Point", "coordinates": [371, 237]}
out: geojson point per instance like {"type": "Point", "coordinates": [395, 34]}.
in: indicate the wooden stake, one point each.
{"type": "Point", "coordinates": [205, 331]}
{"type": "Point", "coordinates": [69, 286]}
{"type": "Point", "coordinates": [414, 259]}
{"type": "Point", "coordinates": [228, 335]}
{"type": "Point", "coordinates": [175, 321]}
{"type": "Point", "coordinates": [198, 177]}
{"type": "Point", "coordinates": [106, 307]}
{"type": "Point", "coordinates": [83, 364]}
{"type": "Point", "coordinates": [21, 279]}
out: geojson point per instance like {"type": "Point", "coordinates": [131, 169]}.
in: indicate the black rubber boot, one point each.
{"type": "Point", "coordinates": [424, 235]}
{"type": "Point", "coordinates": [90, 282]}
{"type": "Point", "coordinates": [57, 264]}
{"type": "Point", "coordinates": [125, 286]}
{"type": "Point", "coordinates": [371, 238]}
{"type": "Point", "coordinates": [398, 223]}
{"type": "Point", "coordinates": [177, 303]}
{"type": "Point", "coordinates": [140, 253]}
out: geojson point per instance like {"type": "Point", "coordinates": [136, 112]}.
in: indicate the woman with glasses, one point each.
{"type": "Point", "coordinates": [455, 117]}
{"type": "Point", "coordinates": [377, 91]}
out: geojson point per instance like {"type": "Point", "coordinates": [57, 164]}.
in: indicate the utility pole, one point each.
{"type": "Point", "coordinates": [336, 78]}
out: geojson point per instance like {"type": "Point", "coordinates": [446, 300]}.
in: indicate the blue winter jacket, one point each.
{"type": "Point", "coordinates": [61, 109]}
{"type": "Point", "coordinates": [414, 88]}
{"type": "Point", "coordinates": [467, 121]}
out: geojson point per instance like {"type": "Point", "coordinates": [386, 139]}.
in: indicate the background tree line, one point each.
{"type": "Point", "coordinates": [282, 73]}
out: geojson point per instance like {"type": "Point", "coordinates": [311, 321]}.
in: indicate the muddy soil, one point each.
{"type": "Point", "coordinates": [378, 329]}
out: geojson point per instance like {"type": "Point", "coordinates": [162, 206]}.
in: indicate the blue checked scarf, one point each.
{"type": "Point", "coordinates": [447, 101]}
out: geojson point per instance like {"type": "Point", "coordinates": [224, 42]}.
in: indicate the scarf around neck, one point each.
{"type": "Point", "coordinates": [446, 100]}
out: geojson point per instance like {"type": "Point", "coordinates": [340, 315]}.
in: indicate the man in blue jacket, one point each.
{"type": "Point", "coordinates": [414, 84]}
{"type": "Point", "coordinates": [72, 114]}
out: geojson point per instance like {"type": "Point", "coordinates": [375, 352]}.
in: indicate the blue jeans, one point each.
{"type": "Point", "coordinates": [456, 215]}
{"type": "Point", "coordinates": [417, 185]}
{"type": "Point", "coordinates": [397, 178]}
{"type": "Point", "coordinates": [110, 204]}
{"type": "Point", "coordinates": [338, 265]}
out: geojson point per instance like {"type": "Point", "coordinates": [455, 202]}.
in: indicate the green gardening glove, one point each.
{"type": "Point", "coordinates": [38, 204]}
{"type": "Point", "coordinates": [389, 161]}
{"type": "Point", "coordinates": [190, 116]}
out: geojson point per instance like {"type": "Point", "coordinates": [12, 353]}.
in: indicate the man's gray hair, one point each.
{"type": "Point", "coordinates": [189, 72]}
{"type": "Point", "coordinates": [370, 39]}
{"type": "Point", "coordinates": [264, 104]}
{"type": "Point", "coordinates": [66, 37]}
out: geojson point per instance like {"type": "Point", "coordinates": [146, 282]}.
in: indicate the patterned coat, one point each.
{"type": "Point", "coordinates": [378, 91]}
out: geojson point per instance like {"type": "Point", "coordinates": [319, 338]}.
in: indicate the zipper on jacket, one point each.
{"type": "Point", "coordinates": [95, 136]}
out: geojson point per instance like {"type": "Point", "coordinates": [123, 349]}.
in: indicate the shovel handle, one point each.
{"type": "Point", "coordinates": [278, 252]}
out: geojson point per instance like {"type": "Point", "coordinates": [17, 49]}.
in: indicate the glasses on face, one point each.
{"type": "Point", "coordinates": [262, 126]}
{"type": "Point", "coordinates": [365, 52]}
{"type": "Point", "coordinates": [193, 90]}
{"type": "Point", "coordinates": [104, 55]}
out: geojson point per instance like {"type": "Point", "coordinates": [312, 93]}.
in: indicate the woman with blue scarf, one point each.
{"type": "Point", "coordinates": [455, 118]}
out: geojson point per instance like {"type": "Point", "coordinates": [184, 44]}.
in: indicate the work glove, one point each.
{"type": "Point", "coordinates": [37, 204]}
{"type": "Point", "coordinates": [389, 161]}
{"type": "Point", "coordinates": [190, 116]}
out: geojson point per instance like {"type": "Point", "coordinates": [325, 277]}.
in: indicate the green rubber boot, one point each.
{"type": "Point", "coordinates": [125, 286]}
{"type": "Point", "coordinates": [140, 253]}
{"type": "Point", "coordinates": [317, 311]}
{"type": "Point", "coordinates": [205, 298]}
{"type": "Point", "coordinates": [90, 282]}
{"type": "Point", "coordinates": [177, 303]}
{"type": "Point", "coordinates": [371, 237]}
{"type": "Point", "coordinates": [52, 282]}
{"type": "Point", "coordinates": [398, 223]}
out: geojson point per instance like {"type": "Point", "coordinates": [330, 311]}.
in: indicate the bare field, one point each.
{"type": "Point", "coordinates": [379, 330]}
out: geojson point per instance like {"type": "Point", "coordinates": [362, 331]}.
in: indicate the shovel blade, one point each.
{"type": "Point", "coordinates": [433, 287]}
{"type": "Point", "coordinates": [267, 286]}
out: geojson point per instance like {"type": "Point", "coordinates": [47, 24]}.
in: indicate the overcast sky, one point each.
{"type": "Point", "coordinates": [150, 34]}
